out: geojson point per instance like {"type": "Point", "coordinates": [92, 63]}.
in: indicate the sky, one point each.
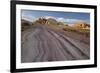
{"type": "Point", "coordinates": [68, 17]}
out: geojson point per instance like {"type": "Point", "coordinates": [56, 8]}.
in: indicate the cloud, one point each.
{"type": "Point", "coordinates": [74, 20]}
{"type": "Point", "coordinates": [28, 17]}
{"type": "Point", "coordinates": [68, 20]}
{"type": "Point", "coordinates": [61, 19]}
{"type": "Point", "coordinates": [47, 17]}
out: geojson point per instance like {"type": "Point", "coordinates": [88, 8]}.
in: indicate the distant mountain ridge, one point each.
{"type": "Point", "coordinates": [25, 24]}
{"type": "Point", "coordinates": [23, 21]}
{"type": "Point", "coordinates": [51, 21]}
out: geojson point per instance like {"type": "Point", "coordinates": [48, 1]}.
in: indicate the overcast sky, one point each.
{"type": "Point", "coordinates": [69, 17]}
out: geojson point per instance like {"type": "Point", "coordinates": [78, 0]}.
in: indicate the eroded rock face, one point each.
{"type": "Point", "coordinates": [45, 21]}
{"type": "Point", "coordinates": [41, 21]}
{"type": "Point", "coordinates": [81, 25]}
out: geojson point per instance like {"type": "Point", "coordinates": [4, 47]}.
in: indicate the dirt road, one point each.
{"type": "Point", "coordinates": [42, 44]}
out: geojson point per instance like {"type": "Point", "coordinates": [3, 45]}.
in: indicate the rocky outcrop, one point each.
{"type": "Point", "coordinates": [48, 21]}
{"type": "Point", "coordinates": [81, 25]}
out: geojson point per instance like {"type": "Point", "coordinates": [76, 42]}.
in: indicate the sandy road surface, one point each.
{"type": "Point", "coordinates": [42, 44]}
